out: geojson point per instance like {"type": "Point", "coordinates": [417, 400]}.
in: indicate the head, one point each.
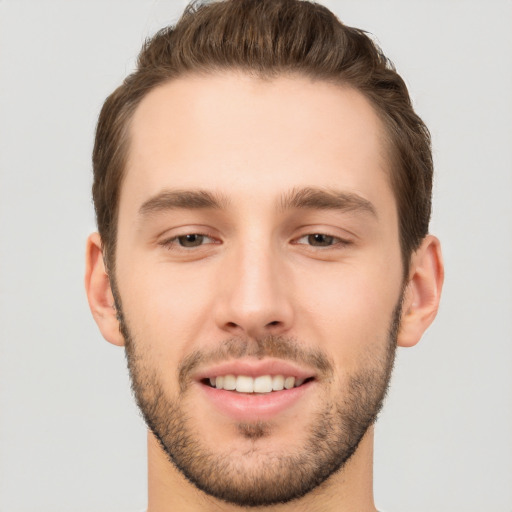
{"type": "Point", "coordinates": [262, 189]}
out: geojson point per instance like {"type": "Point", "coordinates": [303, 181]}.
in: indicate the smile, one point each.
{"type": "Point", "coordinates": [256, 390]}
{"type": "Point", "coordinates": [259, 384]}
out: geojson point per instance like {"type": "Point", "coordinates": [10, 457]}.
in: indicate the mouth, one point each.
{"type": "Point", "coordinates": [256, 390]}
{"type": "Point", "coordinates": [261, 384]}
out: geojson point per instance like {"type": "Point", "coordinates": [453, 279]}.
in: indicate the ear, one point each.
{"type": "Point", "coordinates": [422, 293]}
{"type": "Point", "coordinates": [99, 293]}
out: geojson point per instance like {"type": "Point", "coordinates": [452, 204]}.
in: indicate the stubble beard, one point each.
{"type": "Point", "coordinates": [331, 438]}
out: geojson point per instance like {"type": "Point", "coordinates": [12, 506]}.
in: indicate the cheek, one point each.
{"type": "Point", "coordinates": [349, 313]}
{"type": "Point", "coordinates": [165, 312]}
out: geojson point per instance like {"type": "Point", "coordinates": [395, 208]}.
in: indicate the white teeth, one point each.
{"type": "Point", "coordinates": [289, 382]}
{"type": "Point", "coordinates": [229, 382]}
{"type": "Point", "coordinates": [244, 384]}
{"type": "Point", "coordinates": [277, 382]}
{"type": "Point", "coordinates": [260, 384]}
{"type": "Point", "coordinates": [263, 384]}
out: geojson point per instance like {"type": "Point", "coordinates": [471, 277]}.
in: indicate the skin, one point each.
{"type": "Point", "coordinates": [251, 142]}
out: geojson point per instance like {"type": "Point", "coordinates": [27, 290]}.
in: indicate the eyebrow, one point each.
{"type": "Point", "coordinates": [298, 198]}
{"type": "Point", "coordinates": [182, 199]}
{"type": "Point", "coordinates": [326, 199]}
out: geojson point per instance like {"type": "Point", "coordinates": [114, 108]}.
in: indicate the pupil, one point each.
{"type": "Point", "coordinates": [320, 240]}
{"type": "Point", "coordinates": [191, 240]}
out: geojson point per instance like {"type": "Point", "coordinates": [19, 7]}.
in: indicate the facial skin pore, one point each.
{"type": "Point", "coordinates": [258, 235]}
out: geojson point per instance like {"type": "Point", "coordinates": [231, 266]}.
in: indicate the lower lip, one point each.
{"type": "Point", "coordinates": [252, 406]}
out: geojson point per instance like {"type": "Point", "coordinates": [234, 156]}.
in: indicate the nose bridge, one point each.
{"type": "Point", "coordinates": [254, 299]}
{"type": "Point", "coordinates": [256, 279]}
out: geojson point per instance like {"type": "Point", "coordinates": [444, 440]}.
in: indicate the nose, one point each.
{"type": "Point", "coordinates": [254, 293]}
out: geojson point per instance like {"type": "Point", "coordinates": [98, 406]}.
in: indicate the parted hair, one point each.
{"type": "Point", "coordinates": [267, 38]}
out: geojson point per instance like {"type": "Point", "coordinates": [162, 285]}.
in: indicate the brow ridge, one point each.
{"type": "Point", "coordinates": [182, 199]}
{"type": "Point", "coordinates": [313, 198]}
{"type": "Point", "coordinates": [325, 199]}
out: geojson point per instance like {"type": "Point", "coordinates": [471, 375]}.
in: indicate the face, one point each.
{"type": "Point", "coordinates": [258, 279]}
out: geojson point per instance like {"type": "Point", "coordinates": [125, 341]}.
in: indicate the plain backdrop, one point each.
{"type": "Point", "coordinates": [70, 437]}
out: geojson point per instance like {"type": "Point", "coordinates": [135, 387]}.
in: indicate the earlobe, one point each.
{"type": "Point", "coordinates": [99, 293]}
{"type": "Point", "coordinates": [423, 292]}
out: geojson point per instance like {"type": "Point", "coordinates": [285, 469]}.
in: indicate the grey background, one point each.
{"type": "Point", "coordinates": [70, 436]}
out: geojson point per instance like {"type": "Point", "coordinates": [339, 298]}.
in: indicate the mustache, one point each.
{"type": "Point", "coordinates": [279, 347]}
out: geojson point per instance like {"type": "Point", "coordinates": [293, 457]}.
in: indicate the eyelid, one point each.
{"type": "Point", "coordinates": [337, 240]}
{"type": "Point", "coordinates": [171, 242]}
{"type": "Point", "coordinates": [340, 234]}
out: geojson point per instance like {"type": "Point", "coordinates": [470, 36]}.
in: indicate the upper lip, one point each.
{"type": "Point", "coordinates": [255, 368]}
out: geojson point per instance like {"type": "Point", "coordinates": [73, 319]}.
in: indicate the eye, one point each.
{"type": "Point", "coordinates": [188, 241]}
{"type": "Point", "coordinates": [319, 240]}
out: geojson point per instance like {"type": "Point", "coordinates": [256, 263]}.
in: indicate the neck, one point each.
{"type": "Point", "coordinates": [349, 489]}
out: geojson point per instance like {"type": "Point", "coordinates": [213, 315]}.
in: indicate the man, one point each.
{"type": "Point", "coordinates": [262, 189]}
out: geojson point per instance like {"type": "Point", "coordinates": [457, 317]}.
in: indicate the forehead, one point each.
{"type": "Point", "coordinates": [246, 136]}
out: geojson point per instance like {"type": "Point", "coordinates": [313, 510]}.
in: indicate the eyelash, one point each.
{"type": "Point", "coordinates": [333, 241]}
{"type": "Point", "coordinates": [174, 242]}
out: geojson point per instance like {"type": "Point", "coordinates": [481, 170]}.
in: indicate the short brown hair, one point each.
{"type": "Point", "coordinates": [267, 38]}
